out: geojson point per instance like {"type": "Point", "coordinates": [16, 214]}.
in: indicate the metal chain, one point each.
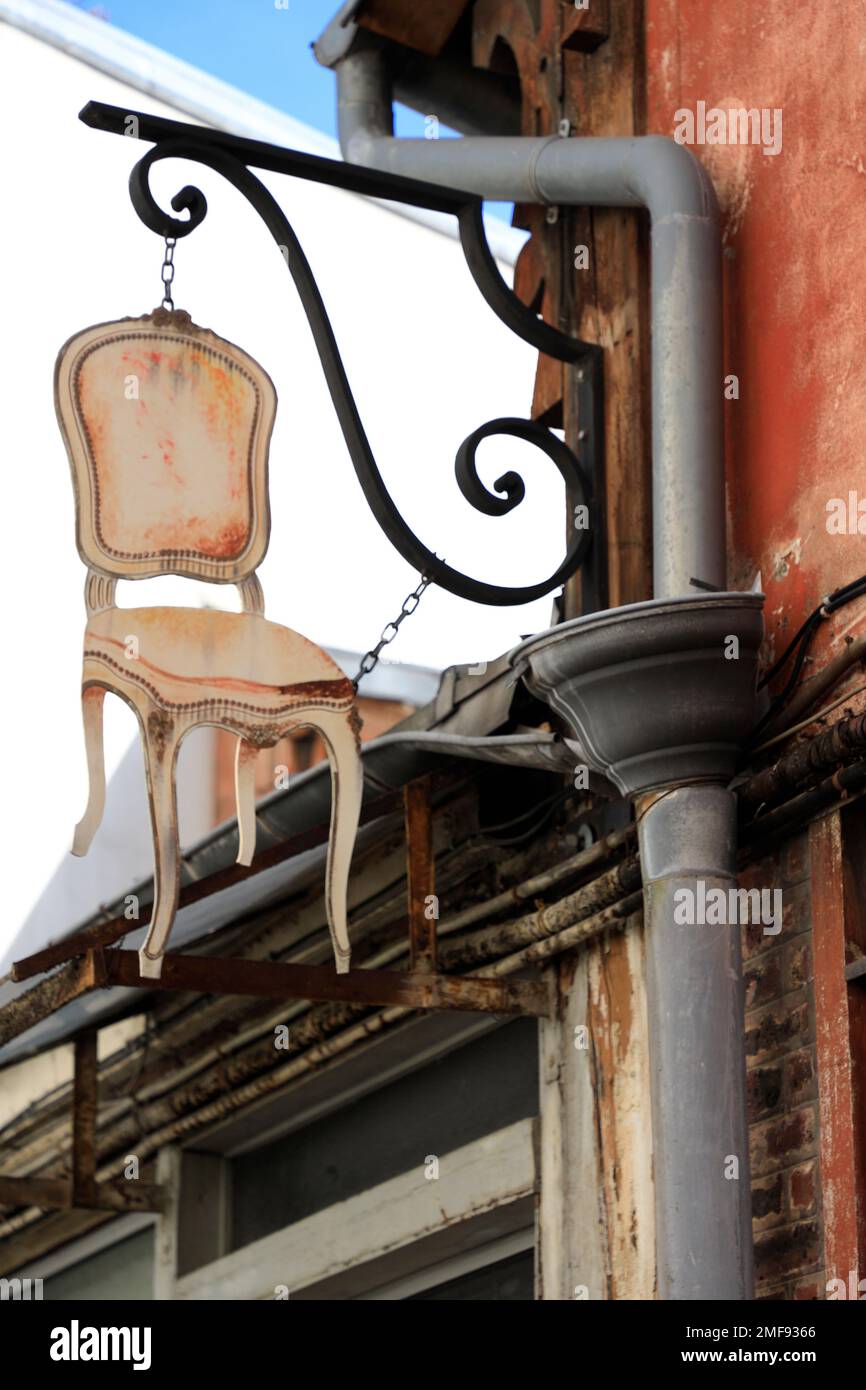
{"type": "Point", "coordinates": [370, 659]}
{"type": "Point", "coordinates": [168, 272]}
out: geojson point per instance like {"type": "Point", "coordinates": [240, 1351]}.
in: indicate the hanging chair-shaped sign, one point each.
{"type": "Point", "coordinates": [167, 428]}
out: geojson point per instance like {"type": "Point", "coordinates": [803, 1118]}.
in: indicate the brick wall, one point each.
{"type": "Point", "coordinates": [782, 1085]}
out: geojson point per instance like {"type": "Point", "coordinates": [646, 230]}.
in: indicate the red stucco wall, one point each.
{"type": "Point", "coordinates": [795, 247]}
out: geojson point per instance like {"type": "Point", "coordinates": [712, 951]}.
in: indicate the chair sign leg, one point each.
{"type": "Point", "coordinates": [339, 733]}
{"type": "Point", "coordinates": [246, 754]}
{"type": "Point", "coordinates": [160, 753]}
{"type": "Point", "coordinates": [92, 701]}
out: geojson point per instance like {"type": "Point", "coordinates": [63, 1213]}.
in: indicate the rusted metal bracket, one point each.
{"type": "Point", "coordinates": [420, 987]}
{"type": "Point", "coordinates": [55, 1194]}
{"type": "Point", "coordinates": [264, 979]}
{"type": "Point", "coordinates": [85, 1100]}
{"type": "Point", "coordinates": [106, 933]}
{"type": "Point", "coordinates": [420, 876]}
{"type": "Point", "coordinates": [82, 1190]}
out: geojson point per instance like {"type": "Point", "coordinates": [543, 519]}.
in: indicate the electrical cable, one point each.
{"type": "Point", "coordinates": [811, 719]}
{"type": "Point", "coordinates": [547, 807]}
{"type": "Point", "coordinates": [800, 643]}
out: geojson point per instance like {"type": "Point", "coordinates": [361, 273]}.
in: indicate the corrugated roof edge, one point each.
{"type": "Point", "coordinates": [207, 99]}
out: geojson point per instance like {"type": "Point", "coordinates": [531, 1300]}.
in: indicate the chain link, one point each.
{"type": "Point", "coordinates": [370, 659]}
{"type": "Point", "coordinates": [167, 272]}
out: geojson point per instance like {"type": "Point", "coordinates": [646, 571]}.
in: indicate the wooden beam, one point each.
{"type": "Point", "coordinates": [169, 1170]}
{"type": "Point", "coordinates": [529, 33]}
{"type": "Point", "coordinates": [583, 30]}
{"type": "Point", "coordinates": [425, 27]}
{"type": "Point", "coordinates": [836, 1098]}
{"type": "Point", "coordinates": [572, 1236]}
{"type": "Point", "coordinates": [607, 301]}
{"type": "Point", "coordinates": [618, 1042]}
{"type": "Point", "coordinates": [596, 1211]}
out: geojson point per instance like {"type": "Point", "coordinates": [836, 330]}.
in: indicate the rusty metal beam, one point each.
{"type": "Point", "coordinates": [55, 1194]}
{"type": "Point", "coordinates": [284, 980]}
{"type": "Point", "coordinates": [84, 1104]}
{"type": "Point", "coordinates": [106, 933]}
{"type": "Point", "coordinates": [82, 1190]}
{"type": "Point", "coordinates": [420, 875]}
{"type": "Point", "coordinates": [44, 999]}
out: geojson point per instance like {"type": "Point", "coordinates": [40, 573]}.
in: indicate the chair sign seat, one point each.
{"type": "Point", "coordinates": [168, 428]}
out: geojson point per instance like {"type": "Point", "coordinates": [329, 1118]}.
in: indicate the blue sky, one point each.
{"type": "Point", "coordinates": [252, 44]}
{"type": "Point", "coordinates": [256, 46]}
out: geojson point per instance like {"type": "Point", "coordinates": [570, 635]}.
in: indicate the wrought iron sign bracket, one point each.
{"type": "Point", "coordinates": [233, 157]}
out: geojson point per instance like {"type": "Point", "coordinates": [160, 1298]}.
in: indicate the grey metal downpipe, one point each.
{"type": "Point", "coordinates": [680, 738]}
{"type": "Point", "coordinates": [646, 171]}
{"type": "Point", "coordinates": [695, 1003]}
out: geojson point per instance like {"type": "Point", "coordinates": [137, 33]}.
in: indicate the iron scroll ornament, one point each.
{"type": "Point", "coordinates": [229, 156]}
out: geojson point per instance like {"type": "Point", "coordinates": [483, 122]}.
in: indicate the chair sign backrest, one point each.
{"type": "Point", "coordinates": [167, 427]}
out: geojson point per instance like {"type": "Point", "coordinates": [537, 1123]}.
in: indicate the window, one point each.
{"type": "Point", "coordinates": [423, 1188]}
{"type": "Point", "coordinates": [118, 1272]}
{"type": "Point", "coordinates": [472, 1091]}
